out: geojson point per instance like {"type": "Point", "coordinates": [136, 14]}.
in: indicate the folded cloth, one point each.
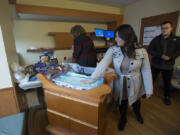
{"type": "Point", "coordinates": [73, 80]}
{"type": "Point", "coordinates": [80, 69]}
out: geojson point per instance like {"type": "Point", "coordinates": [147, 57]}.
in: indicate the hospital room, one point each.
{"type": "Point", "coordinates": [89, 67]}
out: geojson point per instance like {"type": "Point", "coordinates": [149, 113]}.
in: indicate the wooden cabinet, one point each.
{"type": "Point", "coordinates": [63, 40]}
{"type": "Point", "coordinates": [8, 102]}
{"type": "Point", "coordinates": [76, 112]}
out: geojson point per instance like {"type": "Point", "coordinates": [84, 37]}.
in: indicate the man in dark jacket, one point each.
{"type": "Point", "coordinates": [164, 49]}
{"type": "Point", "coordinates": [84, 52]}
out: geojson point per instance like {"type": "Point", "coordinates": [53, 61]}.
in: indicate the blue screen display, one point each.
{"type": "Point", "coordinates": [99, 32]}
{"type": "Point", "coordinates": [109, 34]}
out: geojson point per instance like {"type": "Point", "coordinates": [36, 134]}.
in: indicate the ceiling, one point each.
{"type": "Point", "coordinates": [115, 3]}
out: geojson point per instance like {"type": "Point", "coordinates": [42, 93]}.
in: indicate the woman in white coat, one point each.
{"type": "Point", "coordinates": [133, 69]}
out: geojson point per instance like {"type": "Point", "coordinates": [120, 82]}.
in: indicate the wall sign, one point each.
{"type": "Point", "coordinates": [150, 33]}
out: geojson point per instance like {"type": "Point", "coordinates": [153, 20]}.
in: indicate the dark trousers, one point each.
{"type": "Point", "coordinates": [166, 75]}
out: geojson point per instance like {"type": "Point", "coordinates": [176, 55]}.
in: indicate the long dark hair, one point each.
{"type": "Point", "coordinates": [127, 33]}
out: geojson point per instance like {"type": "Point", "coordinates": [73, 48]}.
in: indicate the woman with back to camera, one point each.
{"type": "Point", "coordinates": [84, 52]}
{"type": "Point", "coordinates": [133, 69]}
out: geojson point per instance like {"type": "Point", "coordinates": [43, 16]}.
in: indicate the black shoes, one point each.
{"type": "Point", "coordinates": [167, 101]}
{"type": "Point", "coordinates": [139, 118]}
{"type": "Point", "coordinates": [122, 124]}
{"type": "Point", "coordinates": [123, 111]}
{"type": "Point", "coordinates": [136, 108]}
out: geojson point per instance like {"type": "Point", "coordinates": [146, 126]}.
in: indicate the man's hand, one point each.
{"type": "Point", "coordinates": [165, 57]}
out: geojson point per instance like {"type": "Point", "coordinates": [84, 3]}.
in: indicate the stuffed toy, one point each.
{"type": "Point", "coordinates": [32, 74]}
{"type": "Point", "coordinates": [30, 70]}
{"type": "Point", "coordinates": [41, 66]}
{"type": "Point", "coordinates": [54, 60]}
{"type": "Point", "coordinates": [44, 59]}
{"type": "Point", "coordinates": [19, 74]}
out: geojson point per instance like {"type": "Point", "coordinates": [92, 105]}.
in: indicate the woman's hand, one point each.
{"type": "Point", "coordinates": [85, 81]}
{"type": "Point", "coordinates": [148, 95]}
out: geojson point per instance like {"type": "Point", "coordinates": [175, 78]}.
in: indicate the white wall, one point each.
{"type": "Point", "coordinates": [5, 78]}
{"type": "Point", "coordinates": [134, 12]}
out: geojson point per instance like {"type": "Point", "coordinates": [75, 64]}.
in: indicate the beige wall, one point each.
{"type": "Point", "coordinates": [34, 33]}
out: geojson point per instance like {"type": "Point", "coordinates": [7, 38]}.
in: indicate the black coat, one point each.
{"type": "Point", "coordinates": [155, 49]}
{"type": "Point", "coordinates": [84, 51]}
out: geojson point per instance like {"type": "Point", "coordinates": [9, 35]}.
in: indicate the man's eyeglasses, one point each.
{"type": "Point", "coordinates": [165, 28]}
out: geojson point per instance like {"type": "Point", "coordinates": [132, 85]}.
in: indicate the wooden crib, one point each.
{"type": "Point", "coordinates": [72, 112]}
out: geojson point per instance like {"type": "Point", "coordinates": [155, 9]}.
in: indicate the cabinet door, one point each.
{"type": "Point", "coordinates": [8, 103]}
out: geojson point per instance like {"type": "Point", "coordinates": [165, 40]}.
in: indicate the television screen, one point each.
{"type": "Point", "coordinates": [109, 34]}
{"type": "Point", "coordinates": [99, 32]}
